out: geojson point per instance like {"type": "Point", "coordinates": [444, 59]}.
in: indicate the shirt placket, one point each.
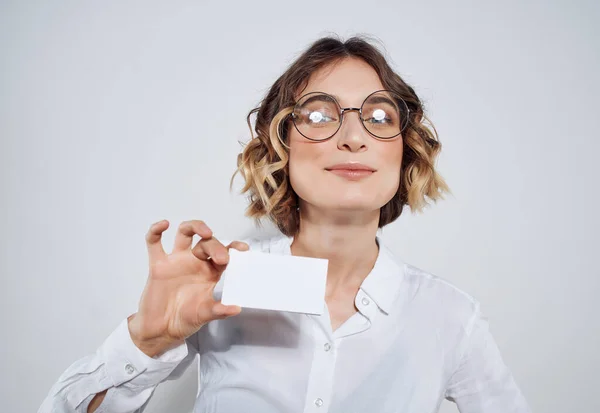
{"type": "Point", "coordinates": [320, 383]}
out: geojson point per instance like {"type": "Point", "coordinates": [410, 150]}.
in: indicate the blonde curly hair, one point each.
{"type": "Point", "coordinates": [263, 162]}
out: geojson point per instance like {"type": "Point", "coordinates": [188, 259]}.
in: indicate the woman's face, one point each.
{"type": "Point", "coordinates": [310, 163]}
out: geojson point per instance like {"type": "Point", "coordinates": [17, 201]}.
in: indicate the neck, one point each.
{"type": "Point", "coordinates": [348, 242]}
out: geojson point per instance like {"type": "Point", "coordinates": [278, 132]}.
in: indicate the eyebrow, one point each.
{"type": "Point", "coordinates": [384, 99]}
{"type": "Point", "coordinates": [376, 99]}
{"type": "Point", "coordinates": [331, 94]}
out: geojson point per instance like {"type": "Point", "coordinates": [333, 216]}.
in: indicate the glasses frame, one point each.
{"type": "Point", "coordinates": [342, 111]}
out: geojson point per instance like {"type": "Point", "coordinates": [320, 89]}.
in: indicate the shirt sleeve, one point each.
{"type": "Point", "coordinates": [120, 366]}
{"type": "Point", "coordinates": [482, 383]}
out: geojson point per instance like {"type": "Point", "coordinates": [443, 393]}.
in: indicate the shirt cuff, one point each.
{"type": "Point", "coordinates": [125, 362]}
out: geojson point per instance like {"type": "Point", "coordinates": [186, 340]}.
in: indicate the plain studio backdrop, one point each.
{"type": "Point", "coordinates": [114, 115]}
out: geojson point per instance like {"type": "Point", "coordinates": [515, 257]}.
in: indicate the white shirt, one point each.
{"type": "Point", "coordinates": [415, 340]}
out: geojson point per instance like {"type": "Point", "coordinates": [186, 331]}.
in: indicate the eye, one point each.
{"type": "Point", "coordinates": [379, 116]}
{"type": "Point", "coordinates": [318, 117]}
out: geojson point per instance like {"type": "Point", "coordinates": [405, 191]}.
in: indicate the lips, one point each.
{"type": "Point", "coordinates": [351, 171]}
{"type": "Point", "coordinates": [353, 166]}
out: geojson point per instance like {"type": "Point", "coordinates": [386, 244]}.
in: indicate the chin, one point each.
{"type": "Point", "coordinates": [363, 203]}
{"type": "Point", "coordinates": [341, 197]}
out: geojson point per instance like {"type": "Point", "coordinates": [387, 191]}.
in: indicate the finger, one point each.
{"type": "Point", "coordinates": [153, 239]}
{"type": "Point", "coordinates": [238, 245]}
{"type": "Point", "coordinates": [213, 249]}
{"type": "Point", "coordinates": [187, 230]}
{"type": "Point", "coordinates": [221, 311]}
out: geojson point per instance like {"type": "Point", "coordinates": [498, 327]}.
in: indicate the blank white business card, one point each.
{"type": "Point", "coordinates": [257, 279]}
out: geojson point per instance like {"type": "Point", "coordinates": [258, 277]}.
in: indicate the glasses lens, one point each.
{"type": "Point", "coordinates": [384, 114]}
{"type": "Point", "coordinates": [317, 116]}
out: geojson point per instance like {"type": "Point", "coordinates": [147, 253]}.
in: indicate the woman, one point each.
{"type": "Point", "coordinates": [341, 148]}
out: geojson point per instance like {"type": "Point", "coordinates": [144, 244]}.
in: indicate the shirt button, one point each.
{"type": "Point", "coordinates": [129, 369]}
{"type": "Point", "coordinates": [327, 346]}
{"type": "Point", "coordinates": [319, 402]}
{"type": "Point", "coordinates": [365, 301]}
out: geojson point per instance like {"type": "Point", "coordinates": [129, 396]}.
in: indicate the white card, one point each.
{"type": "Point", "coordinates": [257, 279]}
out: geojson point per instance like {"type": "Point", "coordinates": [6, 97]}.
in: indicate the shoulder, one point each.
{"type": "Point", "coordinates": [436, 287]}
{"type": "Point", "coordinates": [439, 298]}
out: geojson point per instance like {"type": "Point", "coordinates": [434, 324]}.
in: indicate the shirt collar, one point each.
{"type": "Point", "coordinates": [383, 282]}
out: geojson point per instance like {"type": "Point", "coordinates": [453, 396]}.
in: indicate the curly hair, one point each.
{"type": "Point", "coordinates": [263, 162]}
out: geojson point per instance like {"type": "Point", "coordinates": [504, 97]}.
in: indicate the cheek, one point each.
{"type": "Point", "coordinates": [390, 154]}
{"type": "Point", "coordinates": [307, 162]}
{"type": "Point", "coordinates": [310, 155]}
{"type": "Point", "coordinates": [391, 161]}
{"type": "Point", "coordinates": [397, 153]}
{"type": "Point", "coordinates": [304, 160]}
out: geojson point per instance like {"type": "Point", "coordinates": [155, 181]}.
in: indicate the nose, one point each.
{"type": "Point", "coordinates": [352, 134]}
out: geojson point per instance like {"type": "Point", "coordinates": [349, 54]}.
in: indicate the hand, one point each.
{"type": "Point", "coordinates": [178, 297]}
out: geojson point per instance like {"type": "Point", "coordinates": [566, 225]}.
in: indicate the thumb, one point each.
{"type": "Point", "coordinates": [221, 311]}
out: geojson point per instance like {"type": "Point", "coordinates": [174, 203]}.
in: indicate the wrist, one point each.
{"type": "Point", "coordinates": [151, 346]}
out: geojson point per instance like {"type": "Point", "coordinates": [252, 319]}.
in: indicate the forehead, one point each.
{"type": "Point", "coordinates": [350, 81]}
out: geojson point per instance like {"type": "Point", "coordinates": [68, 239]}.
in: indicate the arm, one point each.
{"type": "Point", "coordinates": [154, 344]}
{"type": "Point", "coordinates": [482, 383]}
{"type": "Point", "coordinates": [120, 370]}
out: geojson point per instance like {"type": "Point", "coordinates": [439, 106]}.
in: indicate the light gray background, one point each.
{"type": "Point", "coordinates": [114, 115]}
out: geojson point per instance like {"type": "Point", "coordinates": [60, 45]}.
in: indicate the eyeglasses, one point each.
{"type": "Point", "coordinates": [318, 116]}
